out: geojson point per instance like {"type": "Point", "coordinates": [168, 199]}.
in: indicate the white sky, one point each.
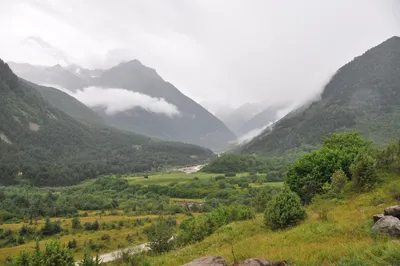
{"type": "Point", "coordinates": [231, 51]}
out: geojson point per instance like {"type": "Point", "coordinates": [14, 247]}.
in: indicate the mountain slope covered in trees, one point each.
{"type": "Point", "coordinates": [44, 146]}
{"type": "Point", "coordinates": [193, 124]}
{"type": "Point", "coordinates": [363, 95]}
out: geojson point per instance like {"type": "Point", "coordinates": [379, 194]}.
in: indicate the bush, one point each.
{"type": "Point", "coordinates": [284, 210]}
{"type": "Point", "coordinates": [51, 228]}
{"type": "Point", "coordinates": [230, 174]}
{"type": "Point", "coordinates": [72, 244]}
{"type": "Point", "coordinates": [363, 170]}
{"type": "Point", "coordinates": [92, 226]}
{"type": "Point", "coordinates": [220, 177]}
{"type": "Point", "coordinates": [159, 236]}
{"type": "Point", "coordinates": [76, 223]}
{"type": "Point", "coordinates": [321, 207]}
{"type": "Point", "coordinates": [338, 182]}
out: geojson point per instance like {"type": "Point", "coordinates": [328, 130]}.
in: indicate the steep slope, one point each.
{"type": "Point", "coordinates": [193, 124]}
{"type": "Point", "coordinates": [363, 95]}
{"type": "Point", "coordinates": [44, 146]}
{"type": "Point", "coordinates": [241, 115]}
{"type": "Point", "coordinates": [262, 119]}
{"type": "Point", "coordinates": [68, 104]}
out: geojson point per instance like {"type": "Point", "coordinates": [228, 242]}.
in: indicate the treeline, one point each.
{"type": "Point", "coordinates": [274, 167]}
{"type": "Point", "coordinates": [112, 193]}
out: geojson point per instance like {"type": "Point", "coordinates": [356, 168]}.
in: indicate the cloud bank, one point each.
{"type": "Point", "coordinates": [117, 100]}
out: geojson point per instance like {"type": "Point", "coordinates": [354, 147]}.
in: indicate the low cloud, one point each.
{"type": "Point", "coordinates": [117, 100]}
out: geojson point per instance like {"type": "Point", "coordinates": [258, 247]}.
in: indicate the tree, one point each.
{"type": "Point", "coordinates": [87, 259]}
{"type": "Point", "coordinates": [160, 237]}
{"type": "Point", "coordinates": [364, 174]}
{"type": "Point", "coordinates": [308, 175]}
{"type": "Point", "coordinates": [284, 210]}
{"type": "Point", "coordinates": [76, 223]}
{"type": "Point", "coordinates": [338, 182]}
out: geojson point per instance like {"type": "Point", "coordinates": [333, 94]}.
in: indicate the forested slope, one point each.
{"type": "Point", "coordinates": [44, 146]}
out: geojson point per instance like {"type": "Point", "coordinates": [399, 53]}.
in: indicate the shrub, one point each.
{"type": "Point", "coordinates": [220, 177]}
{"type": "Point", "coordinates": [72, 244]}
{"type": "Point", "coordinates": [159, 236]}
{"type": "Point", "coordinates": [321, 207]}
{"type": "Point", "coordinates": [76, 223]}
{"type": "Point", "coordinates": [363, 171]}
{"type": "Point", "coordinates": [284, 210]}
{"type": "Point", "coordinates": [230, 174]}
{"type": "Point", "coordinates": [394, 192]}
{"type": "Point", "coordinates": [51, 228]}
{"type": "Point", "coordinates": [92, 226]}
{"type": "Point", "coordinates": [146, 176]}
{"type": "Point", "coordinates": [338, 182]}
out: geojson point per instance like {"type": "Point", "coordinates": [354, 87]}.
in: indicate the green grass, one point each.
{"type": "Point", "coordinates": [345, 239]}
{"type": "Point", "coordinates": [167, 178]}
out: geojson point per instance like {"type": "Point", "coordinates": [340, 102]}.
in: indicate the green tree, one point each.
{"type": "Point", "coordinates": [76, 223]}
{"type": "Point", "coordinates": [364, 175]}
{"type": "Point", "coordinates": [338, 182]}
{"type": "Point", "coordinates": [308, 175]}
{"type": "Point", "coordinates": [284, 210]}
{"type": "Point", "coordinates": [160, 237]}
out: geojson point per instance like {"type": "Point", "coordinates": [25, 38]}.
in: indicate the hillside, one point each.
{"type": "Point", "coordinates": [43, 145]}
{"type": "Point", "coordinates": [189, 123]}
{"type": "Point", "coordinates": [68, 104]}
{"type": "Point", "coordinates": [363, 95]}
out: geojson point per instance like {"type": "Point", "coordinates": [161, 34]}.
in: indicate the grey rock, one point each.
{"type": "Point", "coordinates": [393, 211]}
{"type": "Point", "coordinates": [377, 217]}
{"type": "Point", "coordinates": [208, 261]}
{"type": "Point", "coordinates": [389, 225]}
{"type": "Point", "coordinates": [255, 262]}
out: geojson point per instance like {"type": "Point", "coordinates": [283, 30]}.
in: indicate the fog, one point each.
{"type": "Point", "coordinates": [224, 52]}
{"type": "Point", "coordinates": [117, 100]}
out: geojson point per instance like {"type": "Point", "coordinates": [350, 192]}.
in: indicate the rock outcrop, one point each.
{"type": "Point", "coordinates": [208, 261]}
{"type": "Point", "coordinates": [377, 217]}
{"type": "Point", "coordinates": [389, 225]}
{"type": "Point", "coordinates": [393, 211]}
{"type": "Point", "coordinates": [219, 261]}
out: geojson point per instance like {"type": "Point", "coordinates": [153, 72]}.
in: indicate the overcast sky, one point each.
{"type": "Point", "coordinates": [214, 51]}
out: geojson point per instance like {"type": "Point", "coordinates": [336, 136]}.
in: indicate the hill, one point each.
{"type": "Point", "coordinates": [44, 146]}
{"type": "Point", "coordinates": [139, 88]}
{"type": "Point", "coordinates": [68, 104]}
{"type": "Point", "coordinates": [363, 95]}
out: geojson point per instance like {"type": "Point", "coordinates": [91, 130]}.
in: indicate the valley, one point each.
{"type": "Point", "coordinates": [199, 134]}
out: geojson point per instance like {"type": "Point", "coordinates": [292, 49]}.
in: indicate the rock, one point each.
{"type": "Point", "coordinates": [377, 217]}
{"type": "Point", "coordinates": [393, 211]}
{"type": "Point", "coordinates": [255, 262]}
{"type": "Point", "coordinates": [262, 262]}
{"type": "Point", "coordinates": [208, 261]}
{"type": "Point", "coordinates": [389, 225]}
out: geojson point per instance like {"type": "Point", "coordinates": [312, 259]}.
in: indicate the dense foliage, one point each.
{"type": "Point", "coordinates": [363, 95]}
{"type": "Point", "coordinates": [41, 145]}
{"type": "Point", "coordinates": [308, 175]}
{"type": "Point", "coordinates": [284, 210]}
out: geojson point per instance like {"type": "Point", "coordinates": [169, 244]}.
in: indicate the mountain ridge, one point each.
{"type": "Point", "coordinates": [362, 95]}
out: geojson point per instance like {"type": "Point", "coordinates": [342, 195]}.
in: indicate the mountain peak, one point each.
{"type": "Point", "coordinates": [7, 75]}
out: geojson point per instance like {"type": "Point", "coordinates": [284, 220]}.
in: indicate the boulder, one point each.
{"type": "Point", "coordinates": [255, 262]}
{"type": "Point", "coordinates": [208, 261]}
{"type": "Point", "coordinates": [377, 217]}
{"type": "Point", "coordinates": [389, 225]}
{"type": "Point", "coordinates": [393, 211]}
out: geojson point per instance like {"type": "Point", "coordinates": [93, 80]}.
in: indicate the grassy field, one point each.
{"type": "Point", "coordinates": [167, 178]}
{"type": "Point", "coordinates": [345, 239]}
{"type": "Point", "coordinates": [118, 237]}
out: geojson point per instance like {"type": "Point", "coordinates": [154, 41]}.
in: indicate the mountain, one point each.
{"type": "Point", "coordinates": [190, 122]}
{"type": "Point", "coordinates": [237, 117]}
{"type": "Point", "coordinates": [68, 104]}
{"type": "Point", "coordinates": [363, 95]}
{"type": "Point", "coordinates": [262, 119]}
{"type": "Point", "coordinates": [42, 145]}
{"type": "Point", "coordinates": [54, 75]}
